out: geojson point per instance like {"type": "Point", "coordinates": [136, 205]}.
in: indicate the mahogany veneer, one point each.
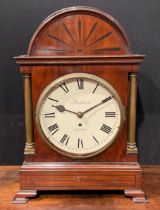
{"type": "Point", "coordinates": [78, 39]}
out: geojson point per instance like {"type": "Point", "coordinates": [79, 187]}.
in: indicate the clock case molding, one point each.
{"type": "Point", "coordinates": [86, 40]}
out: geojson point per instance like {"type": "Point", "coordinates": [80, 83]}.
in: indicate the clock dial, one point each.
{"type": "Point", "coordinates": [79, 115]}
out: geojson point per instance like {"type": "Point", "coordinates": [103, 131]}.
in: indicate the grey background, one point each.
{"type": "Point", "coordinates": [20, 18]}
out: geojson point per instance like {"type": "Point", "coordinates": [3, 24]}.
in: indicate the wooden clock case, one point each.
{"type": "Point", "coordinates": [86, 40]}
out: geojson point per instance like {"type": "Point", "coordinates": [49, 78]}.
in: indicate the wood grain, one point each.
{"type": "Point", "coordinates": [79, 200]}
{"type": "Point", "coordinates": [79, 31]}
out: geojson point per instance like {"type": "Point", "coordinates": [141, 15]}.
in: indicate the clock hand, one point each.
{"type": "Point", "coordinates": [102, 102]}
{"type": "Point", "coordinates": [61, 108]}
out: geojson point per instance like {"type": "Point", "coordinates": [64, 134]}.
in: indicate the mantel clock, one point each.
{"type": "Point", "coordinates": [80, 106]}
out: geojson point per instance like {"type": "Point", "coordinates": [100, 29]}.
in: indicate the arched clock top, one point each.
{"type": "Point", "coordinates": [79, 31]}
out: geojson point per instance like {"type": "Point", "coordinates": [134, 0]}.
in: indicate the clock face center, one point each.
{"type": "Point", "coordinates": [80, 114]}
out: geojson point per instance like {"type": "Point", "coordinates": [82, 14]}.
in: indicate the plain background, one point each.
{"type": "Point", "coordinates": [18, 21]}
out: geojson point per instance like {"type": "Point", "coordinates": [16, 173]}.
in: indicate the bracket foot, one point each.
{"type": "Point", "coordinates": [23, 196]}
{"type": "Point", "coordinates": [138, 196]}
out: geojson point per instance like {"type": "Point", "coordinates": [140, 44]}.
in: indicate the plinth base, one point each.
{"type": "Point", "coordinates": [80, 176]}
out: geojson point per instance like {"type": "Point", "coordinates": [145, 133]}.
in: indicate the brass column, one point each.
{"type": "Point", "coordinates": [29, 147]}
{"type": "Point", "coordinates": [131, 144]}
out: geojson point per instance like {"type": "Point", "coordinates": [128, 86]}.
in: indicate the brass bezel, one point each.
{"type": "Point", "coordinates": [59, 80]}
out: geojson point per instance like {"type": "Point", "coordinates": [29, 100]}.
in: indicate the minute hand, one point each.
{"type": "Point", "coordinates": [102, 102]}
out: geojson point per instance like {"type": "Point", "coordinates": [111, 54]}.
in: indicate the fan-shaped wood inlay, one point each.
{"type": "Point", "coordinates": [79, 35]}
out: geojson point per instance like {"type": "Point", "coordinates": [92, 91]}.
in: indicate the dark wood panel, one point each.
{"type": "Point", "coordinates": [79, 31]}
{"type": "Point", "coordinates": [73, 176]}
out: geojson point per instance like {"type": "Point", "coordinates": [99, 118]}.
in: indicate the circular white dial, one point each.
{"type": "Point", "coordinates": [79, 114]}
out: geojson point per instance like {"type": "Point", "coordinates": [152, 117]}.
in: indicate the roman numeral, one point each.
{"type": "Point", "coordinates": [64, 139]}
{"type": "Point", "coordinates": [110, 114]}
{"type": "Point", "coordinates": [80, 83]}
{"type": "Point", "coordinates": [95, 88]}
{"type": "Point", "coordinates": [95, 139]}
{"type": "Point", "coordinates": [107, 99]}
{"type": "Point", "coordinates": [106, 129]}
{"type": "Point", "coordinates": [53, 128]}
{"type": "Point", "coordinates": [64, 87]}
{"type": "Point", "coordinates": [80, 143]}
{"type": "Point", "coordinates": [50, 115]}
{"type": "Point", "coordinates": [53, 99]}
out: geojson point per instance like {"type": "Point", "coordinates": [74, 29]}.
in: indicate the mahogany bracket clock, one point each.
{"type": "Point", "coordinates": [80, 106]}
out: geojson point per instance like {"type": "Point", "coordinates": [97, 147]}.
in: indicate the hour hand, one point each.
{"type": "Point", "coordinates": [61, 108]}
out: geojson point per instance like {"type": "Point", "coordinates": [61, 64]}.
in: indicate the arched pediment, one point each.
{"type": "Point", "coordinates": [79, 31]}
